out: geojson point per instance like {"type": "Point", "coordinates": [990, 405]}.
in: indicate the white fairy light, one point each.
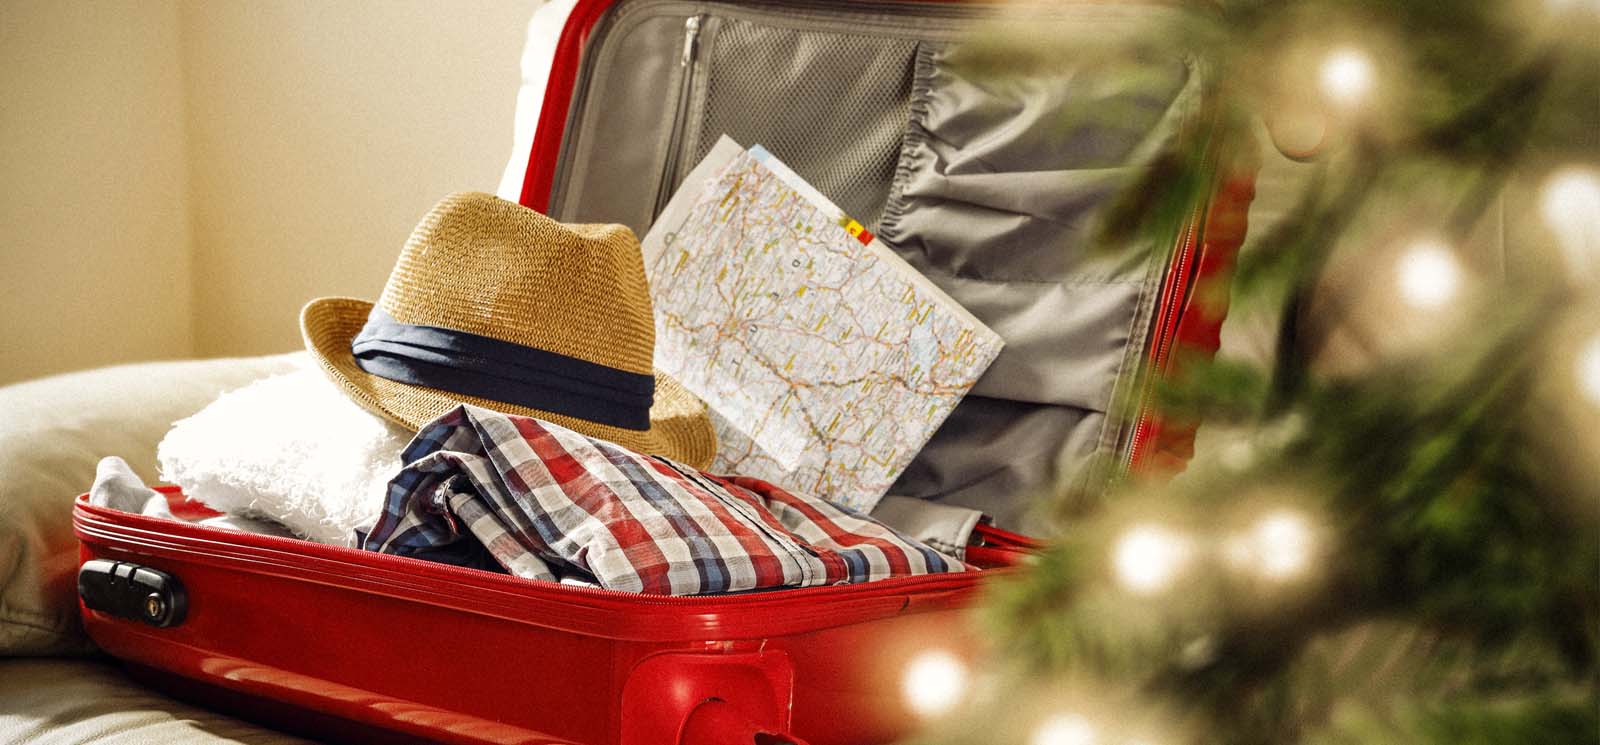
{"type": "Point", "coordinates": [1429, 275]}
{"type": "Point", "coordinates": [1570, 204]}
{"type": "Point", "coordinates": [1347, 76]}
{"type": "Point", "coordinates": [1065, 729]}
{"type": "Point", "coordinates": [1589, 369]}
{"type": "Point", "coordinates": [1282, 545]}
{"type": "Point", "coordinates": [934, 682]}
{"type": "Point", "coordinates": [1148, 557]}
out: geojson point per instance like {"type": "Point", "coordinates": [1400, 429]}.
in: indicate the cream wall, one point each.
{"type": "Point", "coordinates": [320, 132]}
{"type": "Point", "coordinates": [180, 177]}
{"type": "Point", "coordinates": [94, 197]}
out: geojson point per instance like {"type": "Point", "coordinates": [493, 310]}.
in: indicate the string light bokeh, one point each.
{"type": "Point", "coordinates": [1281, 544]}
{"type": "Point", "coordinates": [934, 682]}
{"type": "Point", "coordinates": [1570, 206]}
{"type": "Point", "coordinates": [1428, 275]}
{"type": "Point", "coordinates": [1148, 558]}
{"type": "Point", "coordinates": [1347, 77]}
{"type": "Point", "coordinates": [1065, 729]}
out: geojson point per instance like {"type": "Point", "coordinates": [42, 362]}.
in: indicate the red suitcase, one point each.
{"type": "Point", "coordinates": [358, 646]}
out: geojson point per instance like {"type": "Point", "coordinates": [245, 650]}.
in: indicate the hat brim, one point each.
{"type": "Point", "coordinates": [679, 426]}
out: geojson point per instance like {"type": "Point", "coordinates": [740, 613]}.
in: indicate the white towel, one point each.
{"type": "Point", "coordinates": [290, 448]}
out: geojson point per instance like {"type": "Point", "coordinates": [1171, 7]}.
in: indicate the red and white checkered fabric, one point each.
{"type": "Point", "coordinates": [542, 499]}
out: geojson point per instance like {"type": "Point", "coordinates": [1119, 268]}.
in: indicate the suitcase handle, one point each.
{"type": "Point", "coordinates": [717, 722]}
{"type": "Point", "coordinates": [134, 592]}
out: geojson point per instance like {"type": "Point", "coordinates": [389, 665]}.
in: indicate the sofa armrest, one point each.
{"type": "Point", "coordinates": [52, 432]}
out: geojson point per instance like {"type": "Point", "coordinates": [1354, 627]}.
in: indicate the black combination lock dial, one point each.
{"type": "Point", "coordinates": [131, 591]}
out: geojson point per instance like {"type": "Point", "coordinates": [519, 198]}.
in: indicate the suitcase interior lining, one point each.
{"type": "Point", "coordinates": [989, 187]}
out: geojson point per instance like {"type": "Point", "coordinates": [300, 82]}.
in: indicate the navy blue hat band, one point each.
{"type": "Point", "coordinates": [472, 365]}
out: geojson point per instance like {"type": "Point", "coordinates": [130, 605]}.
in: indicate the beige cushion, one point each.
{"type": "Point", "coordinates": [57, 702]}
{"type": "Point", "coordinates": [52, 432]}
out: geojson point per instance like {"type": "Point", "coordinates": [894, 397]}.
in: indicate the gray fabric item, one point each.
{"type": "Point", "coordinates": [117, 487]}
{"type": "Point", "coordinates": [1000, 457]}
{"type": "Point", "coordinates": [947, 528]}
{"type": "Point", "coordinates": [67, 702]}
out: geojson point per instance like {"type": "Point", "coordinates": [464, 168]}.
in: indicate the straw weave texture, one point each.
{"type": "Point", "coordinates": [479, 264]}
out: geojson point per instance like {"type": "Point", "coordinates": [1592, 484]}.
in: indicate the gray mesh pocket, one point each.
{"type": "Point", "coordinates": [831, 106]}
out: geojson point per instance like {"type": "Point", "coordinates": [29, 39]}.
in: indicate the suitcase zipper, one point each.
{"type": "Point", "coordinates": [680, 115]}
{"type": "Point", "coordinates": [1166, 330]}
{"type": "Point", "coordinates": [147, 535]}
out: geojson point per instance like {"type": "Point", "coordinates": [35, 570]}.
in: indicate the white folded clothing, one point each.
{"type": "Point", "coordinates": [290, 448]}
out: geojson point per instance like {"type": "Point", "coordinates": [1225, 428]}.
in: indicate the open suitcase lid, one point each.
{"type": "Point", "coordinates": [990, 190]}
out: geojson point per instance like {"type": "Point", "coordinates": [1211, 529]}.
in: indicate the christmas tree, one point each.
{"type": "Point", "coordinates": [1391, 530]}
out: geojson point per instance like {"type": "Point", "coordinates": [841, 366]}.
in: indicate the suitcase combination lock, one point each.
{"type": "Point", "coordinates": [132, 591]}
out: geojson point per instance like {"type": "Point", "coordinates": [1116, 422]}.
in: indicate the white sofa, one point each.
{"type": "Point", "coordinates": [54, 688]}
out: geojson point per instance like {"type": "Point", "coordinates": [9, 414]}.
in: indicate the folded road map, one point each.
{"type": "Point", "coordinates": [827, 360]}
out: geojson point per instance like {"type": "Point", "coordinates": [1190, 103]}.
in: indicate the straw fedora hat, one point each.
{"type": "Point", "coordinates": [496, 305]}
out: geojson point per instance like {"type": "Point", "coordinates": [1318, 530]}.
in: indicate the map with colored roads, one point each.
{"type": "Point", "coordinates": [827, 361]}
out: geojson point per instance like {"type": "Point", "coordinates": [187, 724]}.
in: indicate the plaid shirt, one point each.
{"type": "Point", "coordinates": [541, 498]}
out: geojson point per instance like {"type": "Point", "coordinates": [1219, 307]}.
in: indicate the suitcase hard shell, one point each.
{"type": "Point", "coordinates": [367, 647]}
{"type": "Point", "coordinates": [458, 655]}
